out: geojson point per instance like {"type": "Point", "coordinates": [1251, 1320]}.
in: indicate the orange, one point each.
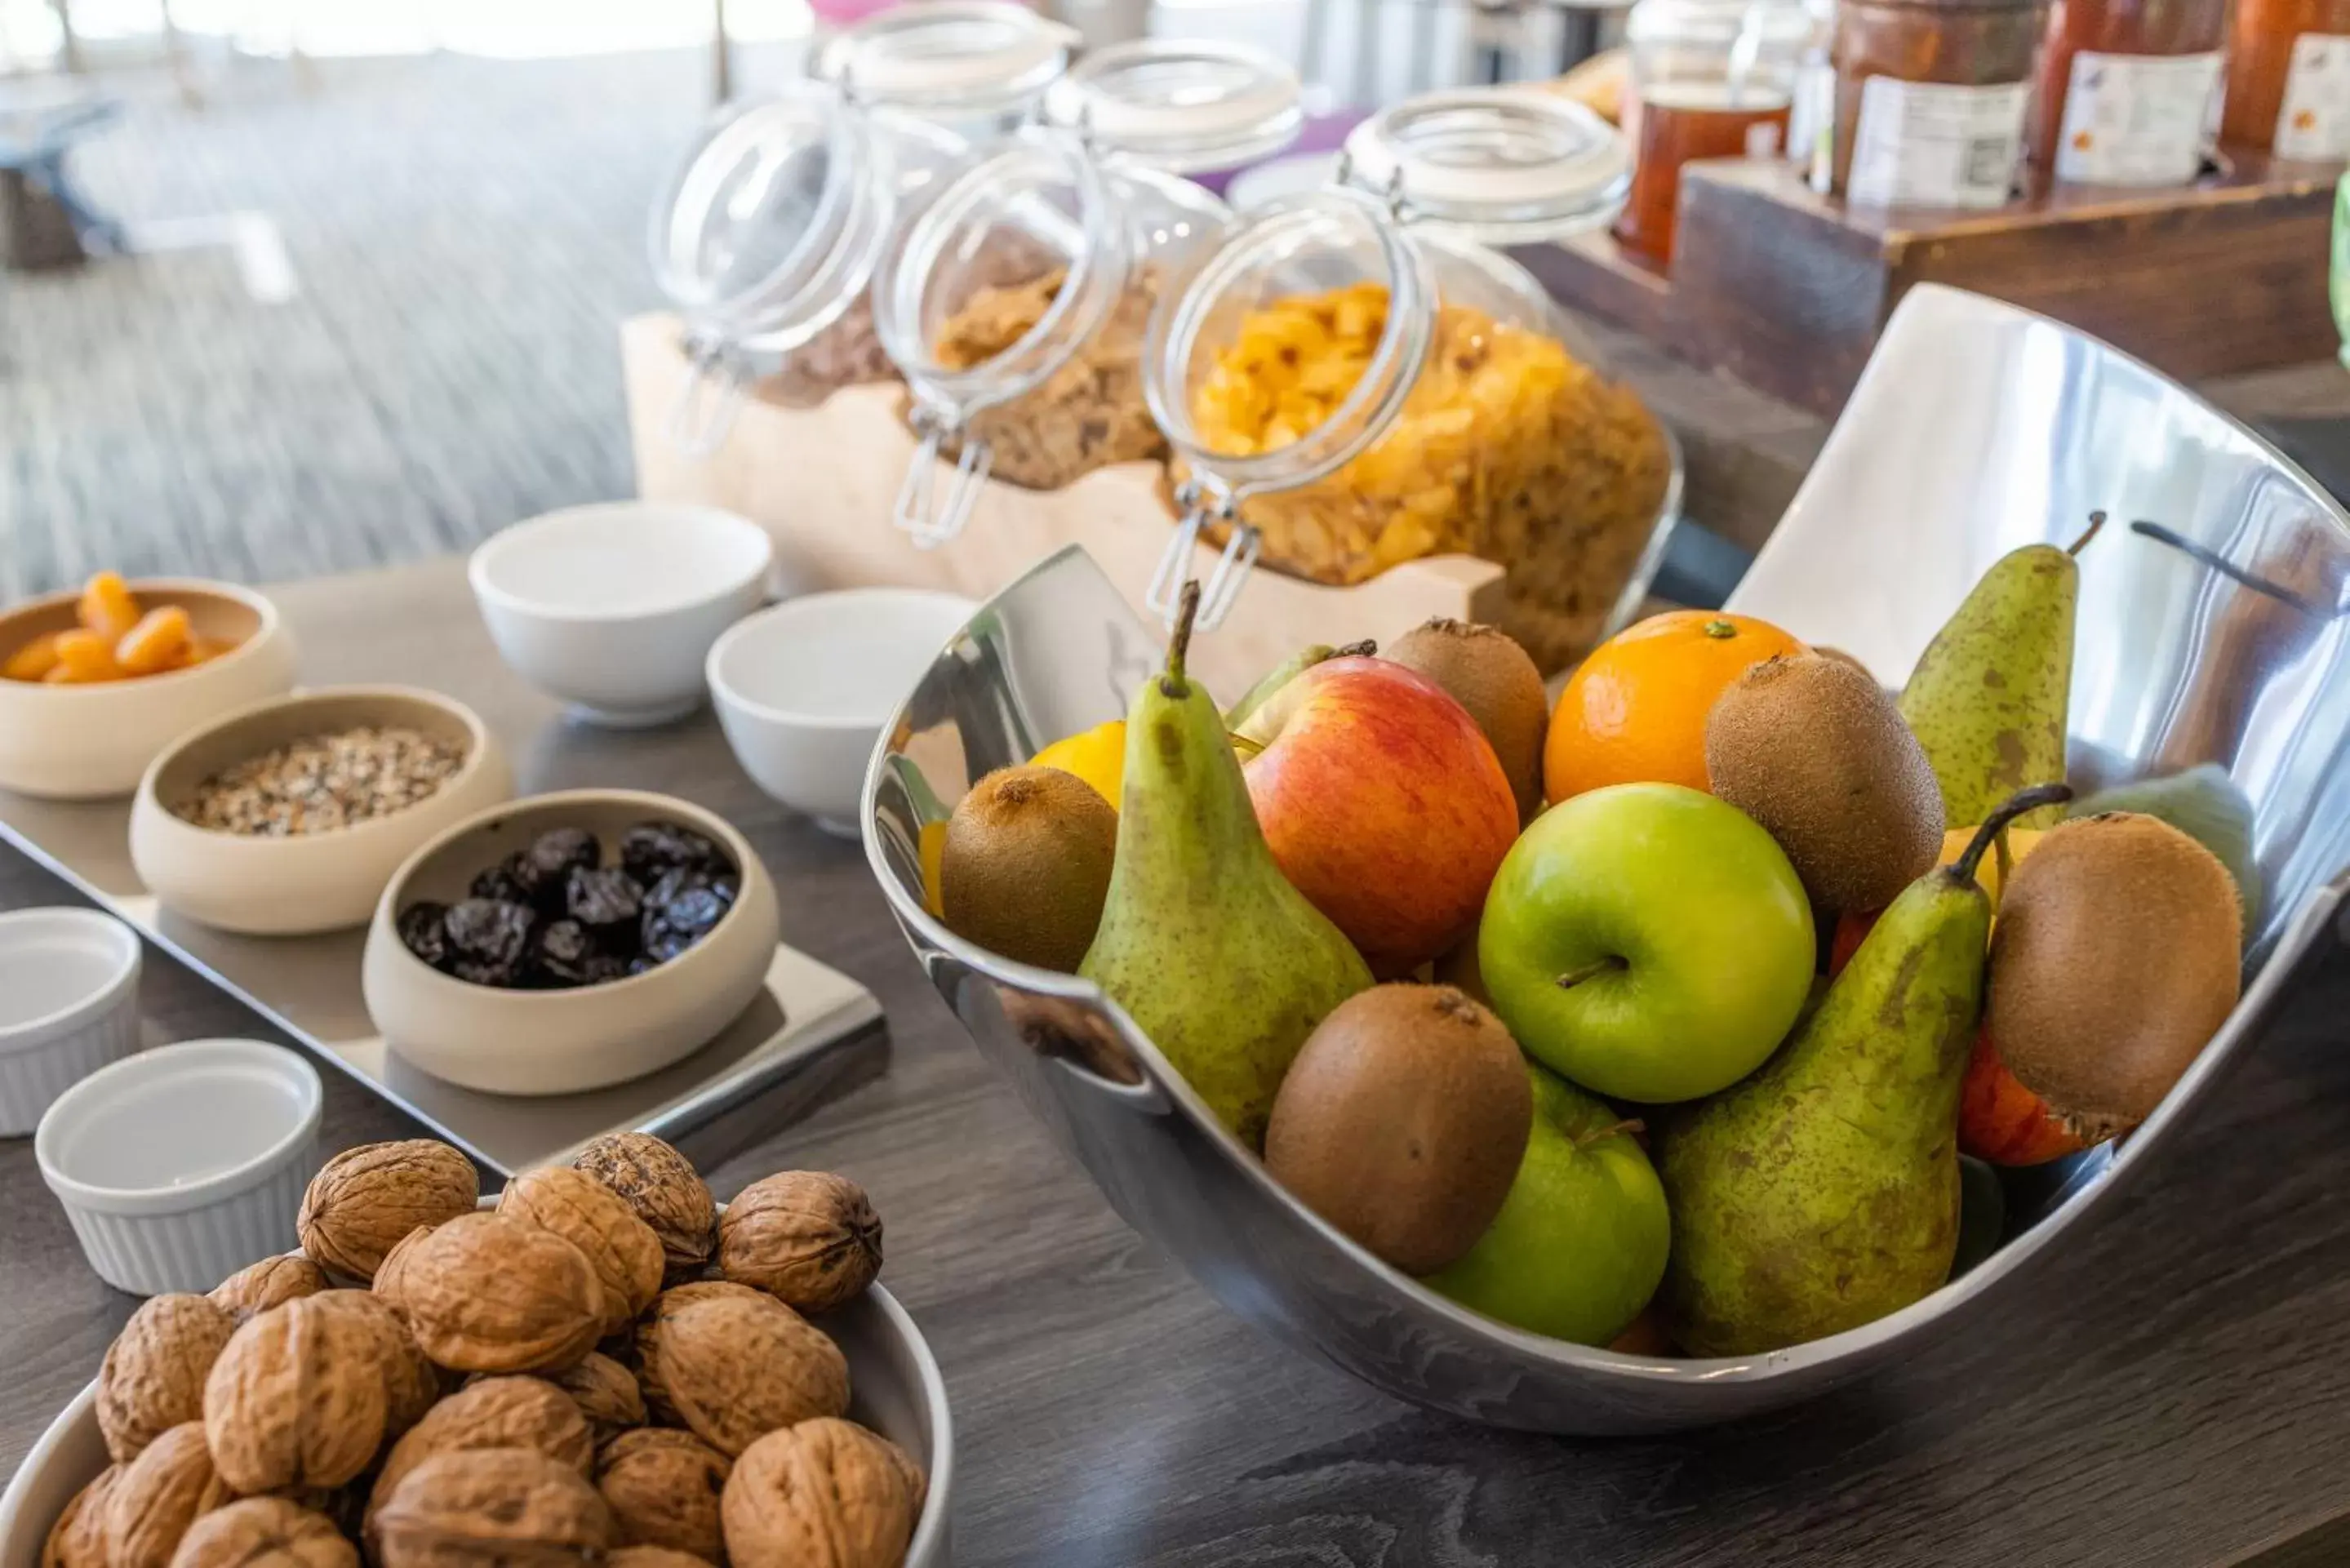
{"type": "Point", "coordinates": [1634, 711]}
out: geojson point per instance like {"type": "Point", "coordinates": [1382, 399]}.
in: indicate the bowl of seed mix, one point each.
{"type": "Point", "coordinates": [289, 817]}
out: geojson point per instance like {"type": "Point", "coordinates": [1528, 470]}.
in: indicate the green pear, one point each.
{"type": "Point", "coordinates": [1580, 1242]}
{"type": "Point", "coordinates": [1823, 1192]}
{"type": "Point", "coordinates": [1988, 699]}
{"type": "Point", "coordinates": [1203, 940]}
{"type": "Point", "coordinates": [1238, 715]}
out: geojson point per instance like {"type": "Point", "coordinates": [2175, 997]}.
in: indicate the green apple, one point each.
{"type": "Point", "coordinates": [1580, 1242]}
{"type": "Point", "coordinates": [1648, 940]}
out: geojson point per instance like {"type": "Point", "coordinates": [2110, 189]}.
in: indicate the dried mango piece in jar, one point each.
{"type": "Point", "coordinates": [84, 658]}
{"type": "Point", "coordinates": [159, 642]}
{"type": "Point", "coordinates": [107, 606]}
{"type": "Point", "coordinates": [1506, 447]}
{"type": "Point", "coordinates": [34, 660]}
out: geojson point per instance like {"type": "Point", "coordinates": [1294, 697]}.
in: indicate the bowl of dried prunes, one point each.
{"type": "Point", "coordinates": [570, 941]}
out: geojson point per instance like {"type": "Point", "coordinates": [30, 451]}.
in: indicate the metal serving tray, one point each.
{"type": "Point", "coordinates": [2215, 636]}
{"type": "Point", "coordinates": [813, 1033]}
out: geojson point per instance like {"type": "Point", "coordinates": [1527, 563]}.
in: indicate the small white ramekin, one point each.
{"type": "Point", "coordinates": [181, 1165]}
{"type": "Point", "coordinates": [68, 1005]}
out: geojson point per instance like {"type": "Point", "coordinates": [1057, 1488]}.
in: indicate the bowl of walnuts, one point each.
{"type": "Point", "coordinates": [598, 1365]}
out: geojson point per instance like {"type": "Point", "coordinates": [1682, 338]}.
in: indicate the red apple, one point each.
{"type": "Point", "coordinates": [1384, 805]}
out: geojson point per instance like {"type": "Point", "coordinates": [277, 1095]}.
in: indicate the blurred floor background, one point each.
{"type": "Point", "coordinates": [372, 306]}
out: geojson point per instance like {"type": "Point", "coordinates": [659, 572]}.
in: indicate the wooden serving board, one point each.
{"type": "Point", "coordinates": [1787, 289]}
{"type": "Point", "coordinates": [824, 482]}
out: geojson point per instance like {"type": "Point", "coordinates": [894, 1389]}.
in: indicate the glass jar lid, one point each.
{"type": "Point", "coordinates": [1769, 25]}
{"type": "Point", "coordinates": [949, 56]}
{"type": "Point", "coordinates": [1180, 106]}
{"type": "Point", "coordinates": [770, 207]}
{"type": "Point", "coordinates": [1502, 165]}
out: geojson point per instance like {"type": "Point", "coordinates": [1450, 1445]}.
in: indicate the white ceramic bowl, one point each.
{"type": "Point", "coordinates": [564, 1041]}
{"type": "Point", "coordinates": [804, 689]}
{"type": "Point", "coordinates": [894, 1384]}
{"type": "Point", "coordinates": [612, 607]}
{"type": "Point", "coordinates": [68, 1005]}
{"type": "Point", "coordinates": [181, 1165]}
{"type": "Point", "coordinates": [90, 742]}
{"type": "Point", "coordinates": [314, 882]}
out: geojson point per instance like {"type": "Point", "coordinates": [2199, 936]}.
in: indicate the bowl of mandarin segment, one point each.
{"type": "Point", "coordinates": [570, 941]}
{"type": "Point", "coordinates": [1632, 1061]}
{"type": "Point", "coordinates": [289, 817]}
{"type": "Point", "coordinates": [598, 1365]}
{"type": "Point", "coordinates": [96, 681]}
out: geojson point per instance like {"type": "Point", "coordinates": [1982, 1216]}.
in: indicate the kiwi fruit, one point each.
{"type": "Point", "coordinates": [1815, 751]}
{"type": "Point", "coordinates": [1025, 866]}
{"type": "Point", "coordinates": [2118, 955]}
{"type": "Point", "coordinates": [1402, 1122]}
{"type": "Point", "coordinates": [1485, 671]}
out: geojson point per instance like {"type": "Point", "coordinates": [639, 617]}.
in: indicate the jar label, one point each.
{"type": "Point", "coordinates": [2136, 119]}
{"type": "Point", "coordinates": [1934, 144]}
{"type": "Point", "coordinates": [2315, 119]}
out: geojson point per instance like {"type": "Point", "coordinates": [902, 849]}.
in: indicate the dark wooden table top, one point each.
{"type": "Point", "coordinates": [2176, 1391]}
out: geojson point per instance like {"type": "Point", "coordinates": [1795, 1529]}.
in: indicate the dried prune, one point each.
{"type": "Point", "coordinates": [561, 954]}
{"type": "Point", "coordinates": [689, 906]}
{"type": "Point", "coordinates": [488, 940]}
{"type": "Point", "coordinates": [603, 967]}
{"type": "Point", "coordinates": [649, 849]}
{"type": "Point", "coordinates": [606, 902]}
{"type": "Point", "coordinates": [422, 932]}
{"type": "Point", "coordinates": [685, 880]}
{"type": "Point", "coordinates": [544, 870]}
{"type": "Point", "coordinates": [498, 882]}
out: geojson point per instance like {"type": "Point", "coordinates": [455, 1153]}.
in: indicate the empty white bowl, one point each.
{"type": "Point", "coordinates": [181, 1165]}
{"type": "Point", "coordinates": [612, 607]}
{"type": "Point", "coordinates": [804, 689]}
{"type": "Point", "coordinates": [90, 742]}
{"type": "Point", "coordinates": [564, 1041]}
{"type": "Point", "coordinates": [68, 1005]}
{"type": "Point", "coordinates": [315, 882]}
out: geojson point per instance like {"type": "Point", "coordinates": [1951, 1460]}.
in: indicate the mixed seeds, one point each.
{"type": "Point", "coordinates": [321, 783]}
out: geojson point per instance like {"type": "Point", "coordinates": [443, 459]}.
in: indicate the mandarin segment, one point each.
{"type": "Point", "coordinates": [34, 659]}
{"type": "Point", "coordinates": [108, 607]}
{"type": "Point", "coordinates": [84, 658]}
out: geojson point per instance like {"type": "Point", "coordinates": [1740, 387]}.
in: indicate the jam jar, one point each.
{"type": "Point", "coordinates": [2288, 87]}
{"type": "Point", "coordinates": [2126, 89]}
{"type": "Point", "coordinates": [1357, 377]}
{"type": "Point", "coordinates": [1930, 97]}
{"type": "Point", "coordinates": [1711, 78]}
{"type": "Point", "coordinates": [767, 236]}
{"type": "Point", "coordinates": [1016, 306]}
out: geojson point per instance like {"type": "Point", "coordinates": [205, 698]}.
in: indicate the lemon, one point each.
{"type": "Point", "coordinates": [1097, 755]}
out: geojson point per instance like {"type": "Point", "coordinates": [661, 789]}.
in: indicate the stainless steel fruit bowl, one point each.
{"type": "Point", "coordinates": [2212, 633]}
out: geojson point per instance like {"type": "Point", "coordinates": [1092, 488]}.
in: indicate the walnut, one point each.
{"type": "Point", "coordinates": [159, 1494]}
{"type": "Point", "coordinates": [731, 1365]}
{"type": "Point", "coordinates": [651, 1557]}
{"type": "Point", "coordinates": [822, 1494]}
{"type": "Point", "coordinates": [605, 1393]}
{"type": "Point", "coordinates": [264, 1533]}
{"type": "Point", "coordinates": [807, 1238]}
{"type": "Point", "coordinates": [412, 1382]}
{"type": "Point", "coordinates": [511, 1507]}
{"type": "Point", "coordinates": [494, 1413]}
{"type": "Point", "coordinates": [489, 1293]}
{"type": "Point", "coordinates": [302, 1397]}
{"type": "Point", "coordinates": [390, 1275]}
{"type": "Point", "coordinates": [628, 1256]}
{"type": "Point", "coordinates": [153, 1374]}
{"type": "Point", "coordinates": [663, 1488]}
{"type": "Point", "coordinates": [365, 1199]}
{"type": "Point", "coordinates": [664, 1189]}
{"type": "Point", "coordinates": [77, 1540]}
{"type": "Point", "coordinates": [273, 1282]}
